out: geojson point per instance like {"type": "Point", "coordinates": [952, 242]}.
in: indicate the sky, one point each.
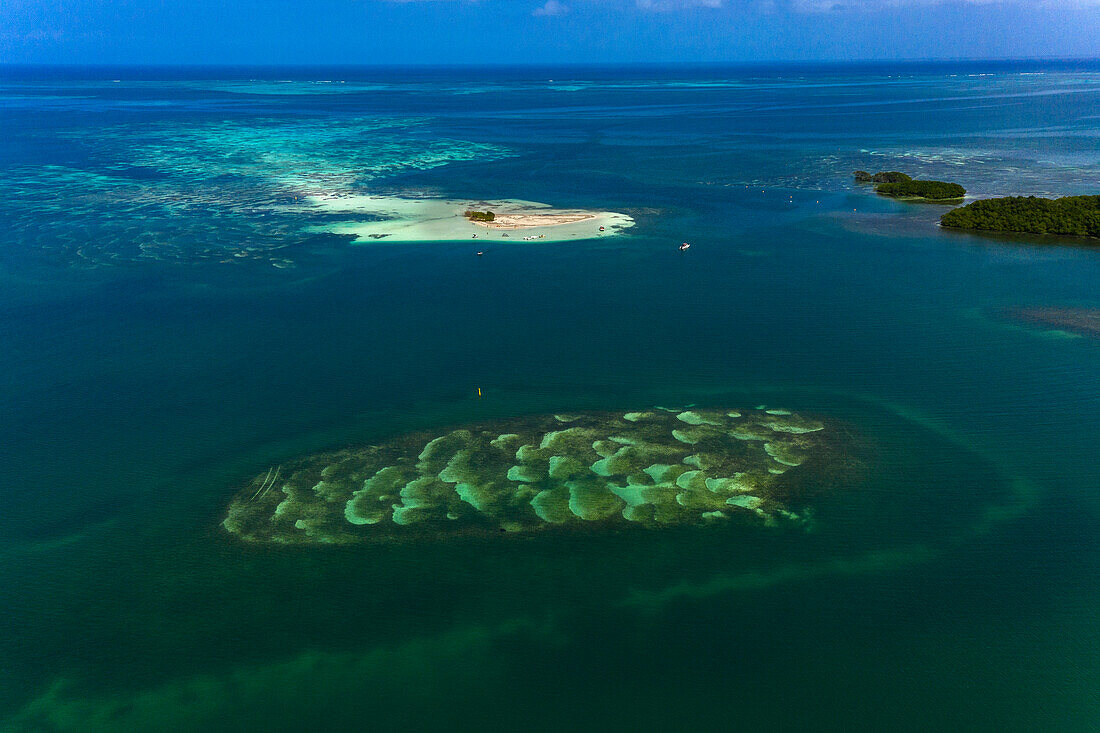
{"type": "Point", "coordinates": [435, 32]}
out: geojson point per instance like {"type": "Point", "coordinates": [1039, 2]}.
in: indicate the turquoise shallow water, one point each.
{"type": "Point", "coordinates": [143, 380]}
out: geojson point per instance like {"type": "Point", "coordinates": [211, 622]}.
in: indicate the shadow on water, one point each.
{"type": "Point", "coordinates": [1038, 241]}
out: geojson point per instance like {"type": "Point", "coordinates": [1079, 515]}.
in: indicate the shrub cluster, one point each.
{"type": "Point", "coordinates": [890, 177]}
{"type": "Point", "coordinates": [881, 177]}
{"type": "Point", "coordinates": [1071, 215]}
{"type": "Point", "coordinates": [933, 190]}
{"type": "Point", "coordinates": [480, 215]}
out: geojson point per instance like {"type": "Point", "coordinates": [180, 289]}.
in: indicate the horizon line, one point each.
{"type": "Point", "coordinates": [544, 64]}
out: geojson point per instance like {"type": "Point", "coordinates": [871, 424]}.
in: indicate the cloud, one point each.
{"type": "Point", "coordinates": [552, 7]}
{"type": "Point", "coordinates": [661, 6]}
{"type": "Point", "coordinates": [822, 6]}
{"type": "Point", "coordinates": [557, 7]}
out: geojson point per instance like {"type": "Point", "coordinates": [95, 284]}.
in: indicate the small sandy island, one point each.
{"type": "Point", "coordinates": [398, 219]}
{"type": "Point", "coordinates": [519, 220]}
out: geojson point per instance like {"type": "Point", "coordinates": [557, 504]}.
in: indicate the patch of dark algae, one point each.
{"type": "Point", "coordinates": [652, 468]}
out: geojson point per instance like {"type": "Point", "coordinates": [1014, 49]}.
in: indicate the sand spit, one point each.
{"type": "Point", "coordinates": [397, 219]}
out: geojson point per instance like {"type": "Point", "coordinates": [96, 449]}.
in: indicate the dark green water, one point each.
{"type": "Point", "coordinates": [140, 387]}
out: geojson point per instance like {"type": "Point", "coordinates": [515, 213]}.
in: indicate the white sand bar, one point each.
{"type": "Point", "coordinates": [442, 220]}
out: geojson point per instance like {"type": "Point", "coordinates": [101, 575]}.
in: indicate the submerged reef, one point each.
{"type": "Point", "coordinates": [649, 468]}
{"type": "Point", "coordinates": [236, 192]}
{"type": "Point", "coordinates": [1081, 321]}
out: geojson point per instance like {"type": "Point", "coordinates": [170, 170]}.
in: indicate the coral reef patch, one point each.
{"type": "Point", "coordinates": [650, 468]}
{"type": "Point", "coordinates": [1081, 321]}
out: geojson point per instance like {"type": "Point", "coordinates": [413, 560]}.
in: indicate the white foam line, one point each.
{"type": "Point", "coordinates": [261, 485]}
{"type": "Point", "coordinates": [273, 480]}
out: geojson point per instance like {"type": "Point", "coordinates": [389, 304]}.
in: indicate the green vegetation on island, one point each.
{"type": "Point", "coordinates": [881, 177]}
{"type": "Point", "coordinates": [901, 185]}
{"type": "Point", "coordinates": [931, 190]}
{"type": "Point", "coordinates": [480, 215]}
{"type": "Point", "coordinates": [1070, 215]}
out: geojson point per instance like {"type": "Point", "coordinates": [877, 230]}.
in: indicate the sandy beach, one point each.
{"type": "Point", "coordinates": [526, 220]}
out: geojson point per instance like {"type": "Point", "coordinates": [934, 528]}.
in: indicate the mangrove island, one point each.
{"type": "Point", "coordinates": [901, 185]}
{"type": "Point", "coordinates": [882, 177]}
{"type": "Point", "coordinates": [1068, 216]}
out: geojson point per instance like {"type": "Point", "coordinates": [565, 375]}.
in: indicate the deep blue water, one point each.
{"type": "Point", "coordinates": [146, 372]}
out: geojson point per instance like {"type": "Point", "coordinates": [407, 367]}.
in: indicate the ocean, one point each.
{"type": "Point", "coordinates": [178, 315]}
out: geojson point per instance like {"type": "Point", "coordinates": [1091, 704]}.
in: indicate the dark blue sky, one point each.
{"type": "Point", "coordinates": [539, 31]}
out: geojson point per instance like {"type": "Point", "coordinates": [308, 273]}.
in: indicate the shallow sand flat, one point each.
{"type": "Point", "coordinates": [442, 220]}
